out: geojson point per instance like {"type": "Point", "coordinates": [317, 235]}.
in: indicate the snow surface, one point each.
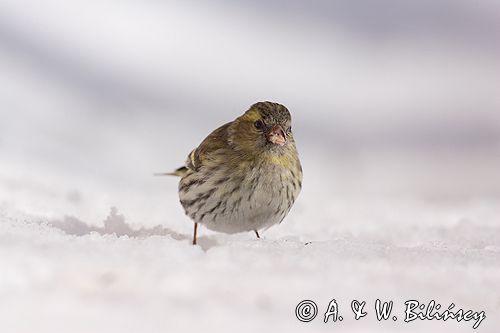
{"type": "Point", "coordinates": [395, 115]}
{"type": "Point", "coordinates": [67, 275]}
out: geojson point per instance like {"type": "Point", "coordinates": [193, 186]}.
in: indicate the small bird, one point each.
{"type": "Point", "coordinates": [245, 176]}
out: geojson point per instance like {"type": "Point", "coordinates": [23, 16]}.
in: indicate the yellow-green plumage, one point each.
{"type": "Point", "coordinates": [245, 175]}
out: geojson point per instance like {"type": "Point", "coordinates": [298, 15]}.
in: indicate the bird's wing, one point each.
{"type": "Point", "coordinates": [215, 141]}
{"type": "Point", "coordinates": [197, 157]}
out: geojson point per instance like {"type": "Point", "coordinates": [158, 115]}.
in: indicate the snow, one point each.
{"type": "Point", "coordinates": [60, 274]}
{"type": "Point", "coordinates": [397, 128]}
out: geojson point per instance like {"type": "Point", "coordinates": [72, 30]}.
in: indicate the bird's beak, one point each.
{"type": "Point", "coordinates": [276, 136]}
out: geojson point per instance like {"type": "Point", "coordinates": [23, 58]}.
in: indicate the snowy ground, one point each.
{"type": "Point", "coordinates": [395, 111]}
{"type": "Point", "coordinates": [121, 275]}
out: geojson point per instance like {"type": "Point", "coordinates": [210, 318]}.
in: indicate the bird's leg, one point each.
{"type": "Point", "coordinates": [257, 234]}
{"type": "Point", "coordinates": [194, 234]}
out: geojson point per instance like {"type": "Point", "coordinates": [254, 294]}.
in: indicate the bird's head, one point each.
{"type": "Point", "coordinates": [265, 126]}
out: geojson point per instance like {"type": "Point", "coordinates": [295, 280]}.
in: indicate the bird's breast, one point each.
{"type": "Point", "coordinates": [230, 199]}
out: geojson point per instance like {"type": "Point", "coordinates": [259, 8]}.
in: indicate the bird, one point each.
{"type": "Point", "coordinates": [245, 176]}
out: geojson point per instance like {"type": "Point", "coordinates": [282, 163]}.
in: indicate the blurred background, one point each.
{"type": "Point", "coordinates": [396, 109]}
{"type": "Point", "coordinates": [388, 98]}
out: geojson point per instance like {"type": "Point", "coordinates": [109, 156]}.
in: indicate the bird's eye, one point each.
{"type": "Point", "coordinates": [259, 124]}
{"type": "Point", "coordinates": [289, 130]}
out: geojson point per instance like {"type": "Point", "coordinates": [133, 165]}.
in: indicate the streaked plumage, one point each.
{"type": "Point", "coordinates": [245, 175]}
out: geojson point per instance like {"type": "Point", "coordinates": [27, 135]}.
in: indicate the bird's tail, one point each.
{"type": "Point", "coordinates": [178, 172]}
